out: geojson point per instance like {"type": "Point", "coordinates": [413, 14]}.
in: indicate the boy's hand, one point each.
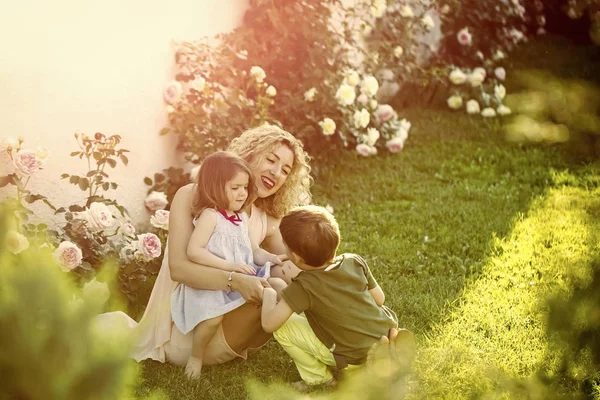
{"type": "Point", "coordinates": [242, 268]}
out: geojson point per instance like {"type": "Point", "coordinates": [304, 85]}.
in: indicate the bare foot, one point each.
{"type": "Point", "coordinates": [193, 368]}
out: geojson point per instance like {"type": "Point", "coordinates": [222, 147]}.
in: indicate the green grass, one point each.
{"type": "Point", "coordinates": [468, 236]}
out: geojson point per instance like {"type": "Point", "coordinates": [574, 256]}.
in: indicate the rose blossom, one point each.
{"type": "Point", "coordinates": [372, 136]}
{"type": "Point", "coordinates": [198, 84]}
{"type": "Point", "coordinates": [369, 86]}
{"type": "Point", "coordinates": [9, 142]}
{"type": "Point", "coordinates": [427, 22]}
{"type": "Point", "coordinates": [68, 255]}
{"type": "Point", "coordinates": [473, 107]}
{"type": "Point", "coordinates": [345, 94]}
{"type": "Point", "coordinates": [352, 79]}
{"type": "Point", "coordinates": [384, 113]}
{"type": "Point", "coordinates": [16, 242]}
{"type": "Point", "coordinates": [407, 12]}
{"type": "Point", "coordinates": [457, 76]}
{"type": "Point", "coordinates": [26, 162]}
{"type": "Point", "coordinates": [503, 110]}
{"type": "Point", "coordinates": [258, 73]}
{"type": "Point", "coordinates": [455, 102]}
{"type": "Point", "coordinates": [160, 219]}
{"type": "Point", "coordinates": [173, 92]}
{"type": "Point", "coordinates": [476, 77]}
{"type": "Point", "coordinates": [464, 37]}
{"type": "Point", "coordinates": [500, 92]}
{"type": "Point", "coordinates": [127, 228]}
{"type": "Point", "coordinates": [271, 91]}
{"type": "Point", "coordinates": [363, 149]}
{"type": "Point", "coordinates": [488, 112]}
{"type": "Point", "coordinates": [98, 217]}
{"type": "Point", "coordinates": [328, 126]}
{"type": "Point", "coordinates": [309, 95]}
{"type": "Point", "coordinates": [398, 51]}
{"type": "Point", "coordinates": [395, 145]}
{"type": "Point", "coordinates": [149, 246]}
{"type": "Point", "coordinates": [156, 201]}
{"type": "Point", "coordinates": [500, 73]}
{"type": "Point", "coordinates": [361, 118]}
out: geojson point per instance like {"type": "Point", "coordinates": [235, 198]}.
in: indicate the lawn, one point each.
{"type": "Point", "coordinates": [468, 235]}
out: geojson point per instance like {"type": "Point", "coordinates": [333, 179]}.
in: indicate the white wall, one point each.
{"type": "Point", "coordinates": [96, 66]}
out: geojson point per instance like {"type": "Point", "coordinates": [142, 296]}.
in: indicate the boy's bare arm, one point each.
{"type": "Point", "coordinates": [273, 314]}
{"type": "Point", "coordinates": [378, 295]}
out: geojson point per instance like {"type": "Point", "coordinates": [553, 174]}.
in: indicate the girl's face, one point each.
{"type": "Point", "coordinates": [272, 169]}
{"type": "Point", "coordinates": [237, 191]}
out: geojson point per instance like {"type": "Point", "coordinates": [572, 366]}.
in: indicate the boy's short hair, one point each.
{"type": "Point", "coordinates": [312, 233]}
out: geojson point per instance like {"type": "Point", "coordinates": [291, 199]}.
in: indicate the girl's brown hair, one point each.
{"type": "Point", "coordinates": [216, 170]}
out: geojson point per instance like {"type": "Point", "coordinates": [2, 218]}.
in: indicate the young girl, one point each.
{"type": "Point", "coordinates": [225, 186]}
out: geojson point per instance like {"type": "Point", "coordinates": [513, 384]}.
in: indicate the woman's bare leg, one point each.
{"type": "Point", "coordinates": [203, 333]}
{"type": "Point", "coordinates": [242, 328]}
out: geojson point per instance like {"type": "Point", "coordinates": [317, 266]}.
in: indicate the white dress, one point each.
{"type": "Point", "coordinates": [230, 242]}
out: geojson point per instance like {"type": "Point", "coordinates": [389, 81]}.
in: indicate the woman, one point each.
{"type": "Point", "coordinates": [281, 171]}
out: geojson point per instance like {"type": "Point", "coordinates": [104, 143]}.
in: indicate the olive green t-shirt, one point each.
{"type": "Point", "coordinates": [339, 307]}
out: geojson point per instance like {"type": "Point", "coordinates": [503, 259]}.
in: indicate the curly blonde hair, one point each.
{"type": "Point", "coordinates": [256, 143]}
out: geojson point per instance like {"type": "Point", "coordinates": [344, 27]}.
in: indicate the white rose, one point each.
{"type": "Point", "coordinates": [198, 84]}
{"type": "Point", "coordinates": [16, 242]}
{"type": "Point", "coordinates": [476, 78]}
{"type": "Point", "coordinates": [363, 99]}
{"type": "Point", "coordinates": [480, 71]}
{"type": "Point", "coordinates": [258, 74]}
{"type": "Point", "coordinates": [455, 102]}
{"type": "Point", "coordinates": [406, 12]}
{"type": "Point", "coordinates": [361, 118]}
{"type": "Point", "coordinates": [369, 86]}
{"type": "Point", "coordinates": [271, 91]}
{"type": "Point", "coordinates": [427, 22]}
{"type": "Point", "coordinates": [309, 95]}
{"type": "Point", "coordinates": [503, 110]}
{"type": "Point", "coordinates": [42, 154]}
{"type": "Point", "coordinates": [170, 109]}
{"type": "Point", "coordinates": [473, 107]}
{"type": "Point", "coordinates": [328, 126]}
{"type": "Point", "coordinates": [127, 228]}
{"type": "Point", "coordinates": [149, 246]}
{"type": "Point", "coordinates": [352, 79]}
{"type": "Point", "coordinates": [98, 291]}
{"type": "Point", "coordinates": [173, 92]}
{"type": "Point", "coordinates": [488, 112]}
{"type": "Point", "coordinates": [372, 104]}
{"type": "Point", "coordinates": [156, 201]}
{"type": "Point", "coordinates": [445, 9]}
{"type": "Point", "coordinates": [26, 162]}
{"type": "Point", "coordinates": [9, 143]}
{"type": "Point", "coordinates": [500, 73]}
{"type": "Point", "coordinates": [499, 55]}
{"type": "Point", "coordinates": [464, 37]}
{"type": "Point", "coordinates": [373, 151]}
{"type": "Point", "coordinates": [68, 255]}
{"type": "Point", "coordinates": [398, 51]}
{"type": "Point", "coordinates": [372, 136]}
{"type": "Point", "coordinates": [160, 219]}
{"type": "Point", "coordinates": [345, 95]}
{"type": "Point", "coordinates": [457, 76]}
{"type": "Point", "coordinates": [500, 92]}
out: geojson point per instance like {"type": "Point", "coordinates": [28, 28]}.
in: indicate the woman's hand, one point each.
{"type": "Point", "coordinates": [250, 287]}
{"type": "Point", "coordinates": [241, 268]}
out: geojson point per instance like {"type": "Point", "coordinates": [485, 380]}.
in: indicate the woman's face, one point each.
{"type": "Point", "coordinates": [272, 169]}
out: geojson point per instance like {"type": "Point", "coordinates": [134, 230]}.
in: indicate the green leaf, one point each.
{"type": "Point", "coordinates": [113, 185]}
{"type": "Point", "coordinates": [124, 159]}
{"type": "Point", "coordinates": [91, 173]}
{"type": "Point", "coordinates": [148, 181]}
{"type": "Point", "coordinates": [30, 198]}
{"type": "Point", "coordinates": [64, 176]}
{"type": "Point", "coordinates": [164, 131]}
{"type": "Point", "coordinates": [158, 178]}
{"type": "Point", "coordinates": [97, 155]}
{"type": "Point", "coordinates": [5, 180]}
{"type": "Point", "coordinates": [75, 208]}
{"type": "Point", "coordinates": [75, 153]}
{"type": "Point", "coordinates": [60, 210]}
{"type": "Point", "coordinates": [84, 184]}
{"type": "Point", "coordinates": [74, 179]}
{"type": "Point", "coordinates": [105, 186]}
{"type": "Point", "coordinates": [111, 162]}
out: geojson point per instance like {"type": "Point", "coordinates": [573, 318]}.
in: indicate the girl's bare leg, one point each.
{"type": "Point", "coordinates": [203, 333]}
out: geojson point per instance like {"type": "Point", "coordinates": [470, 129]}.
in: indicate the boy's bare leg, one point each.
{"type": "Point", "coordinates": [203, 333]}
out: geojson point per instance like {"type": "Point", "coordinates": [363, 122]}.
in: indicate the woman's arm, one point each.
{"type": "Point", "coordinates": [195, 275]}
{"type": "Point", "coordinates": [198, 253]}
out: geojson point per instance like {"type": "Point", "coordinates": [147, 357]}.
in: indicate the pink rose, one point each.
{"type": "Point", "coordinates": [464, 37]}
{"type": "Point", "coordinates": [97, 216]}
{"type": "Point", "coordinates": [384, 113]}
{"type": "Point", "coordinates": [26, 162]}
{"type": "Point", "coordinates": [149, 246]}
{"type": "Point", "coordinates": [395, 145]}
{"type": "Point", "coordinates": [160, 219]}
{"type": "Point", "coordinates": [363, 149]}
{"type": "Point", "coordinates": [68, 255]}
{"type": "Point", "coordinates": [156, 201]}
{"type": "Point", "coordinates": [173, 92]}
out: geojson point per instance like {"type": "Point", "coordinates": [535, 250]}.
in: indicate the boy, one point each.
{"type": "Point", "coordinates": [344, 315]}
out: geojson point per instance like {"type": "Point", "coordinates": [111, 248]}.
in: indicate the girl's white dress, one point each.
{"type": "Point", "coordinates": [230, 242]}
